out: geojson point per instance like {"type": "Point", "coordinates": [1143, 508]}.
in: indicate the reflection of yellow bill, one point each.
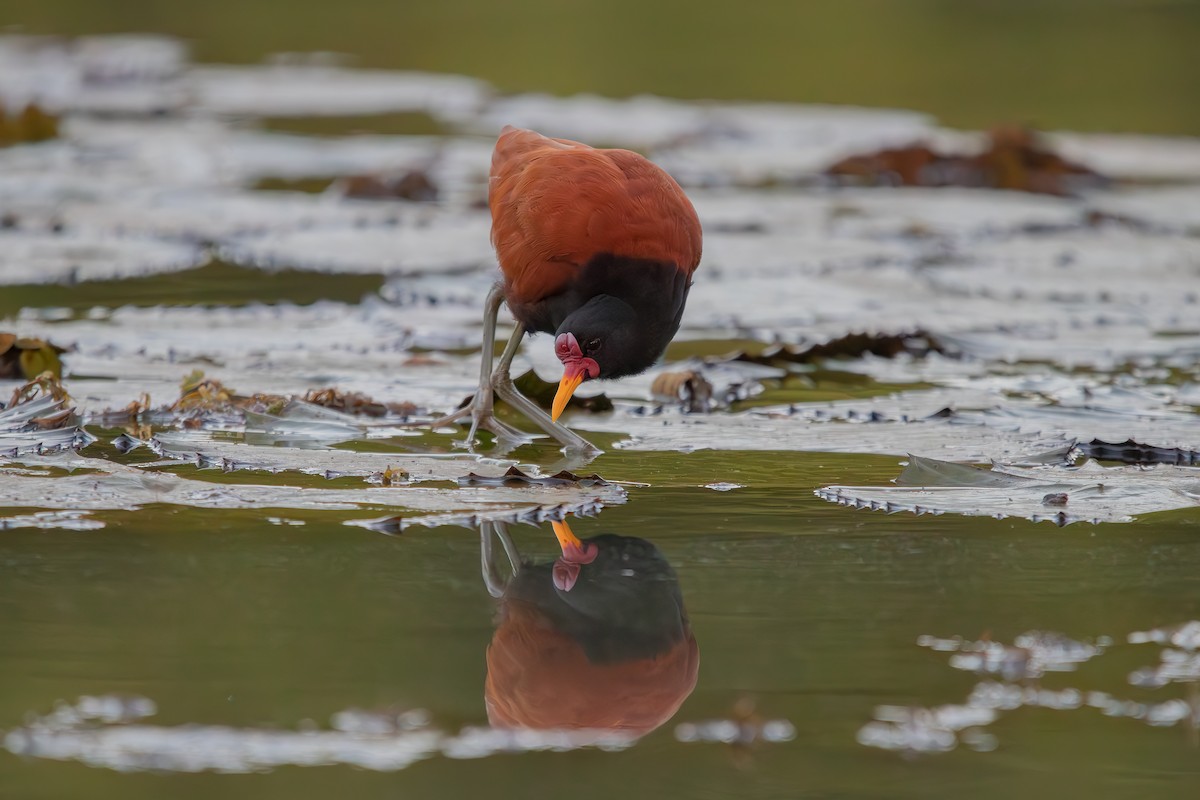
{"type": "Point", "coordinates": [566, 388]}
{"type": "Point", "coordinates": [566, 539]}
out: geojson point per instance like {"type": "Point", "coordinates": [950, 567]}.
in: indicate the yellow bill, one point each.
{"type": "Point", "coordinates": [566, 388]}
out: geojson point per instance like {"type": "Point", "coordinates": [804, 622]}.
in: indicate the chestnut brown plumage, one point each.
{"type": "Point", "coordinates": [597, 247]}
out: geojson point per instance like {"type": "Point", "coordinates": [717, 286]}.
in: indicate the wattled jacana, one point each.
{"type": "Point", "coordinates": [597, 248]}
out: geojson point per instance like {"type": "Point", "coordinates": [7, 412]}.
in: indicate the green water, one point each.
{"type": "Point", "coordinates": [1077, 64]}
{"type": "Point", "coordinates": [811, 609]}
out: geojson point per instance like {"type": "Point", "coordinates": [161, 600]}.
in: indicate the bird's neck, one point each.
{"type": "Point", "coordinates": [655, 290]}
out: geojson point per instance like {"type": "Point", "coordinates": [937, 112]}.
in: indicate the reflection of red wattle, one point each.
{"type": "Point", "coordinates": [540, 678]}
{"type": "Point", "coordinates": [566, 568]}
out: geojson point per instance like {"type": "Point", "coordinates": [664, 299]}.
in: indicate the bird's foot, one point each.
{"type": "Point", "coordinates": [572, 442]}
{"type": "Point", "coordinates": [481, 410]}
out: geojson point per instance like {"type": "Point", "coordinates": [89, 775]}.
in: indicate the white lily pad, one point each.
{"type": "Point", "coordinates": [71, 258]}
{"type": "Point", "coordinates": [20, 434]}
{"type": "Point", "coordinates": [459, 245]}
{"type": "Point", "coordinates": [299, 90]}
{"type": "Point", "coordinates": [110, 731]}
{"type": "Point", "coordinates": [777, 429]}
{"type": "Point", "coordinates": [209, 215]}
{"type": "Point", "coordinates": [1172, 158]}
{"type": "Point", "coordinates": [115, 486]}
{"type": "Point", "coordinates": [1088, 493]}
{"type": "Point", "coordinates": [211, 452]}
{"type": "Point", "coordinates": [129, 73]}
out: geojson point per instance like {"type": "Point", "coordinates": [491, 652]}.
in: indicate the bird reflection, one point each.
{"type": "Point", "coordinates": [598, 639]}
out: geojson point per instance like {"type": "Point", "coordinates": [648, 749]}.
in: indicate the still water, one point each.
{"type": "Point", "coordinates": [202, 570]}
{"type": "Point", "coordinates": [810, 610]}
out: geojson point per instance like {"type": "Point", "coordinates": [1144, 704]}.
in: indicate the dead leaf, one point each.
{"type": "Point", "coordinates": [27, 358]}
{"type": "Point", "coordinates": [918, 343]}
{"type": "Point", "coordinates": [358, 403]}
{"type": "Point", "coordinates": [30, 124]}
{"type": "Point", "coordinates": [414, 184]}
{"type": "Point", "coordinates": [1014, 159]}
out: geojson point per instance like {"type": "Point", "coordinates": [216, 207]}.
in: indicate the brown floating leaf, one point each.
{"type": "Point", "coordinates": [391, 476]}
{"type": "Point", "coordinates": [412, 185]}
{"type": "Point", "coordinates": [1014, 159]}
{"type": "Point", "coordinates": [31, 124]}
{"type": "Point", "coordinates": [852, 345]}
{"type": "Point", "coordinates": [542, 392]}
{"type": "Point", "coordinates": [28, 358]}
{"type": "Point", "coordinates": [198, 393]}
{"type": "Point", "coordinates": [47, 384]}
{"type": "Point", "coordinates": [515, 477]}
{"type": "Point", "coordinates": [357, 403]}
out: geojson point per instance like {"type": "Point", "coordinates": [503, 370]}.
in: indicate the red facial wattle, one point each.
{"type": "Point", "coordinates": [576, 369]}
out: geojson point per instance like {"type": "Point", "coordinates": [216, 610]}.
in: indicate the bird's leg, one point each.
{"type": "Point", "coordinates": [502, 382]}
{"type": "Point", "coordinates": [481, 406]}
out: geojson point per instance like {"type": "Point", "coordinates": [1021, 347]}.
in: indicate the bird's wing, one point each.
{"type": "Point", "coordinates": [557, 203]}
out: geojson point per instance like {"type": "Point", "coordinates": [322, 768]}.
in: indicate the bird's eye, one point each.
{"type": "Point", "coordinates": [593, 345]}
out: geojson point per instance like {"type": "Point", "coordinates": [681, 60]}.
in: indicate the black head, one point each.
{"type": "Point", "coordinates": [605, 338]}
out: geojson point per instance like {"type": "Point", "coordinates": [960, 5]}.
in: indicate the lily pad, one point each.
{"type": "Point", "coordinates": [116, 486]}
{"type": "Point", "coordinates": [210, 452]}
{"type": "Point", "coordinates": [111, 731]}
{"type": "Point", "coordinates": [69, 258]}
{"type": "Point", "coordinates": [307, 90]}
{"type": "Point", "coordinates": [1093, 493]}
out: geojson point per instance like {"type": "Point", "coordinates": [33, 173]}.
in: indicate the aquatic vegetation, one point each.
{"type": "Point", "coordinates": [1089, 492]}
{"type": "Point", "coordinates": [1014, 159]}
{"type": "Point", "coordinates": [253, 318]}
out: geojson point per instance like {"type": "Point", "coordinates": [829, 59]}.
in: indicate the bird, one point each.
{"type": "Point", "coordinates": [598, 640]}
{"type": "Point", "coordinates": [597, 247]}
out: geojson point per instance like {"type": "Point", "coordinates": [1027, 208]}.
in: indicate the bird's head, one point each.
{"type": "Point", "coordinates": [600, 340]}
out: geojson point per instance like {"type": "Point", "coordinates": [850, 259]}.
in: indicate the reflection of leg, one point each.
{"type": "Point", "coordinates": [510, 549]}
{"type": "Point", "coordinates": [481, 406]}
{"type": "Point", "coordinates": [487, 561]}
{"type": "Point", "coordinates": [502, 381]}
{"type": "Point", "coordinates": [487, 564]}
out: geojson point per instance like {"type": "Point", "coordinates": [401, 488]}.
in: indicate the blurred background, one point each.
{"type": "Point", "coordinates": [1100, 65]}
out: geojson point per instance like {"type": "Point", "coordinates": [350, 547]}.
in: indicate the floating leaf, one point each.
{"type": "Point", "coordinates": [29, 124]}
{"type": "Point", "coordinates": [27, 358]}
{"type": "Point", "coordinates": [515, 477]}
{"type": "Point", "coordinates": [111, 731]}
{"type": "Point", "coordinates": [1094, 493]}
{"type": "Point", "coordinates": [1014, 159]}
{"type": "Point", "coordinates": [209, 452]}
